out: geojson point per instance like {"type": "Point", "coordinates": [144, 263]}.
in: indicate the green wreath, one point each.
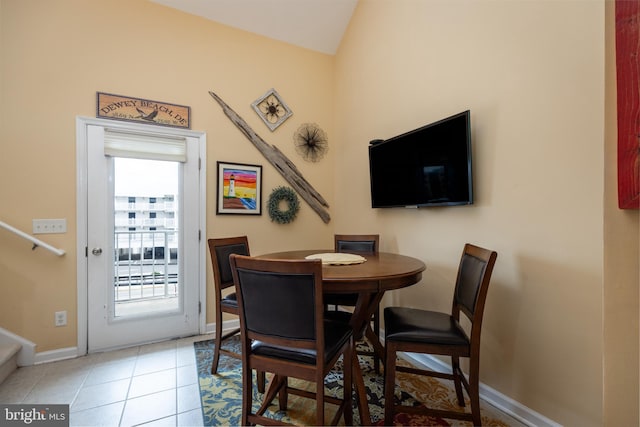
{"type": "Point", "coordinates": [278, 195]}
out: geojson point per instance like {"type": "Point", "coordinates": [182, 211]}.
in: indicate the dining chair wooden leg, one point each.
{"type": "Point", "coordinates": [275, 388]}
{"type": "Point", "coordinates": [361, 391]}
{"type": "Point", "coordinates": [247, 396]}
{"type": "Point", "coordinates": [474, 390]}
{"type": "Point", "coordinates": [320, 401]}
{"type": "Point", "coordinates": [374, 340]}
{"type": "Point", "coordinates": [217, 342]}
{"type": "Point", "coordinates": [347, 384]}
{"type": "Point", "coordinates": [376, 331]}
{"type": "Point", "coordinates": [261, 379]}
{"type": "Point", "coordinates": [283, 395]}
{"type": "Point", "coordinates": [457, 372]}
{"type": "Point", "coordinates": [389, 383]}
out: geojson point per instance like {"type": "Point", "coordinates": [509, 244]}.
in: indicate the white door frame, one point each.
{"type": "Point", "coordinates": [82, 124]}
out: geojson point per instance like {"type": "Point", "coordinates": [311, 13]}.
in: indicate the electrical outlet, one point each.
{"type": "Point", "coordinates": [49, 226]}
{"type": "Point", "coordinates": [61, 318]}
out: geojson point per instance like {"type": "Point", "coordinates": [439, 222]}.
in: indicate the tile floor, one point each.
{"type": "Point", "coordinates": [150, 385]}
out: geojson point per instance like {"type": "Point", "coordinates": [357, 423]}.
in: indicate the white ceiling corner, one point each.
{"type": "Point", "coordinates": [313, 24]}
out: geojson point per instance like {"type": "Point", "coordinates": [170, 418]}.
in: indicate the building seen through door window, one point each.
{"type": "Point", "coordinates": [146, 235]}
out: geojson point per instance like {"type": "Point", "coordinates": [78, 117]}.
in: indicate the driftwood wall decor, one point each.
{"type": "Point", "coordinates": [282, 164]}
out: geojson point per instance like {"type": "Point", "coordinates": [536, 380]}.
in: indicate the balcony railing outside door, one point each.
{"type": "Point", "coordinates": [145, 270]}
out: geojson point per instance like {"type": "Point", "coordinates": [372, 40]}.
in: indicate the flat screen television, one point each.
{"type": "Point", "coordinates": [428, 166]}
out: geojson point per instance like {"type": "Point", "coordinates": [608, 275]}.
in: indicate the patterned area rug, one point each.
{"type": "Point", "coordinates": [221, 394]}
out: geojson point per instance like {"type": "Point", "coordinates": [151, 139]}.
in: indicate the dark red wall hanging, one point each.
{"type": "Point", "coordinates": [628, 78]}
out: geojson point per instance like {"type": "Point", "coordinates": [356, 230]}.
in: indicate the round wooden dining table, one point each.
{"type": "Point", "coordinates": [380, 272]}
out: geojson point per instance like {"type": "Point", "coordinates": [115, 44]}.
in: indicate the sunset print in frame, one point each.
{"type": "Point", "coordinates": [239, 189]}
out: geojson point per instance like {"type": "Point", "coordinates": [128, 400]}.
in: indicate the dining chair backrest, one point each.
{"type": "Point", "coordinates": [220, 249]}
{"type": "Point", "coordinates": [280, 299]}
{"type": "Point", "coordinates": [472, 283]}
{"type": "Point", "coordinates": [365, 243]}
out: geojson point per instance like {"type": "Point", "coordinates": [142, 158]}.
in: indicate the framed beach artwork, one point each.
{"type": "Point", "coordinates": [239, 189]}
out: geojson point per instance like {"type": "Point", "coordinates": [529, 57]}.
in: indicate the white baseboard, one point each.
{"type": "Point", "coordinates": [227, 325]}
{"type": "Point", "coordinates": [502, 402]}
{"type": "Point", "coordinates": [72, 352]}
{"type": "Point", "coordinates": [56, 355]}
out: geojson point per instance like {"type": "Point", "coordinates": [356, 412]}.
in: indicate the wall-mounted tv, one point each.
{"type": "Point", "coordinates": [428, 166]}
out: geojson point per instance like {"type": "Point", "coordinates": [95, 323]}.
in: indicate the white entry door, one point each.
{"type": "Point", "coordinates": [143, 246]}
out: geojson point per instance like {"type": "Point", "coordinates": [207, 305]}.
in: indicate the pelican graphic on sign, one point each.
{"type": "Point", "coordinates": [149, 117]}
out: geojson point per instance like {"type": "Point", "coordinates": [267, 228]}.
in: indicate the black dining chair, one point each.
{"type": "Point", "coordinates": [430, 332]}
{"type": "Point", "coordinates": [359, 244]}
{"type": "Point", "coordinates": [283, 331]}
{"type": "Point", "coordinates": [219, 250]}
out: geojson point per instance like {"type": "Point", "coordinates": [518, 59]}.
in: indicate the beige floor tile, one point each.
{"type": "Point", "coordinates": [191, 418]}
{"type": "Point", "coordinates": [56, 389]}
{"type": "Point", "coordinates": [164, 346]}
{"type": "Point", "coordinates": [92, 396]}
{"type": "Point", "coordinates": [110, 372]}
{"type": "Point", "coordinates": [76, 367]}
{"type": "Point", "coordinates": [151, 383]}
{"type": "Point", "coordinates": [187, 375]}
{"type": "Point", "coordinates": [20, 383]}
{"type": "Point", "coordinates": [14, 394]}
{"type": "Point", "coordinates": [149, 408]}
{"type": "Point", "coordinates": [130, 353]}
{"type": "Point", "coordinates": [162, 422]}
{"type": "Point", "coordinates": [103, 416]}
{"type": "Point", "coordinates": [154, 362]}
{"type": "Point", "coordinates": [185, 356]}
{"type": "Point", "coordinates": [27, 374]}
{"type": "Point", "coordinates": [188, 398]}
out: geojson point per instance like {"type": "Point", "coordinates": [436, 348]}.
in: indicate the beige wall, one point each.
{"type": "Point", "coordinates": [532, 74]}
{"type": "Point", "coordinates": [556, 335]}
{"type": "Point", "coordinates": [55, 56]}
{"type": "Point", "coordinates": [621, 259]}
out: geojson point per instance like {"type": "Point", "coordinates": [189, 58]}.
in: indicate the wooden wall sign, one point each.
{"type": "Point", "coordinates": [119, 107]}
{"type": "Point", "coordinates": [628, 79]}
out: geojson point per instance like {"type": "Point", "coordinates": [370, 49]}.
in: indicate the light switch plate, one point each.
{"type": "Point", "coordinates": [49, 226]}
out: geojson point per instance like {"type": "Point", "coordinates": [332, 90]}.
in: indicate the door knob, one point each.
{"type": "Point", "coordinates": [96, 251]}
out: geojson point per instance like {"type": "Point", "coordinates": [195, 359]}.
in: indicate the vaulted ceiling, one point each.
{"type": "Point", "coordinates": [313, 24]}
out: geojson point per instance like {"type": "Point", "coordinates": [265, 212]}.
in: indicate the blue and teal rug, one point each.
{"type": "Point", "coordinates": [221, 394]}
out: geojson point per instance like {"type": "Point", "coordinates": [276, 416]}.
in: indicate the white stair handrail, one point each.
{"type": "Point", "coordinates": [36, 242]}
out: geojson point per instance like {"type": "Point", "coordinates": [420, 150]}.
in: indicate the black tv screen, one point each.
{"type": "Point", "coordinates": [428, 166]}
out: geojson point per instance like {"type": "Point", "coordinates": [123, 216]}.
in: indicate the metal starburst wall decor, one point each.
{"type": "Point", "coordinates": [272, 109]}
{"type": "Point", "coordinates": [311, 142]}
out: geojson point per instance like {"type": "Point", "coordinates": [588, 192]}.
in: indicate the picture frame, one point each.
{"type": "Point", "coordinates": [239, 189]}
{"type": "Point", "coordinates": [272, 109]}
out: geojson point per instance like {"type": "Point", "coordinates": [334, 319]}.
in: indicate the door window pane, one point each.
{"type": "Point", "coordinates": [146, 243]}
